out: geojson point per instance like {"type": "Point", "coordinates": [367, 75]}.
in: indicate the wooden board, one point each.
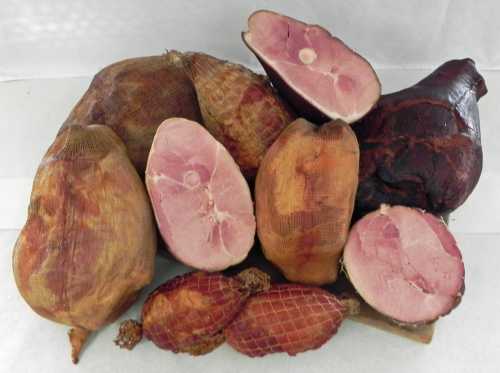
{"type": "Point", "coordinates": [370, 317]}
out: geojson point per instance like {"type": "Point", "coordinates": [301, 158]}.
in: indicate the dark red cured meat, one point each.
{"type": "Point", "coordinates": [188, 313]}
{"type": "Point", "coordinates": [421, 146]}
{"type": "Point", "coordinates": [405, 264]}
{"type": "Point", "coordinates": [287, 318]}
{"type": "Point", "coordinates": [316, 72]}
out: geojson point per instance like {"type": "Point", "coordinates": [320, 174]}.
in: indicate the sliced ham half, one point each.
{"type": "Point", "coordinates": [405, 264]}
{"type": "Point", "coordinates": [316, 72]}
{"type": "Point", "coordinates": [201, 201]}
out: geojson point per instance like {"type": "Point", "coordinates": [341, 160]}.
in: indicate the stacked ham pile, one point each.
{"type": "Point", "coordinates": [347, 184]}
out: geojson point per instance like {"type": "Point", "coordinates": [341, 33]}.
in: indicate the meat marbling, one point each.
{"type": "Point", "coordinates": [200, 199]}
{"type": "Point", "coordinates": [316, 72]}
{"type": "Point", "coordinates": [405, 264]}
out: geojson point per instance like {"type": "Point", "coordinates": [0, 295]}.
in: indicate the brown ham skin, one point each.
{"type": "Point", "coordinates": [89, 242]}
{"type": "Point", "coordinates": [421, 146]}
{"type": "Point", "coordinates": [188, 313]}
{"type": "Point", "coordinates": [134, 97]}
{"type": "Point", "coordinates": [239, 108]}
{"type": "Point", "coordinates": [304, 194]}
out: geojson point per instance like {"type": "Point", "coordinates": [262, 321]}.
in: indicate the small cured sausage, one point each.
{"type": "Point", "coordinates": [188, 313]}
{"type": "Point", "coordinates": [287, 318]}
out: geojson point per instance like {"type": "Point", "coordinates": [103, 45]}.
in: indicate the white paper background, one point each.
{"type": "Point", "coordinates": [50, 49]}
{"type": "Point", "coordinates": [53, 38]}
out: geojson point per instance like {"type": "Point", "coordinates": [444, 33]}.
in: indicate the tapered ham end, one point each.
{"type": "Point", "coordinates": [421, 146]}
{"type": "Point", "coordinates": [201, 201]}
{"type": "Point", "coordinates": [405, 264]}
{"type": "Point", "coordinates": [287, 318]}
{"type": "Point", "coordinates": [316, 72]}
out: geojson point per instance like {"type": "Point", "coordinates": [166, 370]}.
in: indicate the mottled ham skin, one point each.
{"type": "Point", "coordinates": [315, 71]}
{"type": "Point", "coordinates": [201, 201]}
{"type": "Point", "coordinates": [405, 264]}
{"type": "Point", "coordinates": [89, 242]}
{"type": "Point", "coordinates": [133, 97]}
{"type": "Point", "coordinates": [287, 318]}
{"type": "Point", "coordinates": [421, 146]}
{"type": "Point", "coordinates": [188, 313]}
{"type": "Point", "coordinates": [304, 195]}
{"type": "Point", "coordinates": [239, 108]}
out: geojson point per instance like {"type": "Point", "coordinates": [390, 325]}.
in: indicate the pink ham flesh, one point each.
{"type": "Point", "coordinates": [405, 264]}
{"type": "Point", "coordinates": [318, 66]}
{"type": "Point", "coordinates": [201, 201]}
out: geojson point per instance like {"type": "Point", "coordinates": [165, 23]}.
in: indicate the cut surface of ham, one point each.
{"type": "Point", "coordinates": [315, 71]}
{"type": "Point", "coordinates": [405, 264]}
{"type": "Point", "coordinates": [201, 201]}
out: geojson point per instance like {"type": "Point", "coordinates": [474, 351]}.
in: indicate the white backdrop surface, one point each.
{"type": "Point", "coordinates": [54, 38]}
{"type": "Point", "coordinates": [49, 50]}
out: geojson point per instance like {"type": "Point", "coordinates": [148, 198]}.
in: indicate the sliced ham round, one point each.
{"type": "Point", "coordinates": [405, 264]}
{"type": "Point", "coordinates": [316, 72]}
{"type": "Point", "coordinates": [201, 201]}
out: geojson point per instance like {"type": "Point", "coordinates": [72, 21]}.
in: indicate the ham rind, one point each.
{"type": "Point", "coordinates": [405, 264]}
{"type": "Point", "coordinates": [320, 76]}
{"type": "Point", "coordinates": [421, 146]}
{"type": "Point", "coordinates": [201, 201]}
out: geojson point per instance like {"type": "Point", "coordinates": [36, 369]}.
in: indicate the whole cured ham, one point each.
{"type": "Point", "coordinates": [201, 201]}
{"type": "Point", "coordinates": [239, 108]}
{"type": "Point", "coordinates": [405, 264]}
{"type": "Point", "coordinates": [421, 146]}
{"type": "Point", "coordinates": [134, 97]}
{"type": "Point", "coordinates": [317, 73]}
{"type": "Point", "coordinates": [89, 242]}
{"type": "Point", "coordinates": [304, 195]}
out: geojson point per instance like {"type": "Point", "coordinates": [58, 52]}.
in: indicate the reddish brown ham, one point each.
{"type": "Point", "coordinates": [289, 318]}
{"type": "Point", "coordinates": [201, 201]}
{"type": "Point", "coordinates": [405, 264]}
{"type": "Point", "coordinates": [315, 71]}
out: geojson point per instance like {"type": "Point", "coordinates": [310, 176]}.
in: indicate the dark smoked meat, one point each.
{"type": "Point", "coordinates": [421, 146]}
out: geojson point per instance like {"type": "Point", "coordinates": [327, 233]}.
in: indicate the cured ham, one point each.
{"type": "Point", "coordinates": [201, 201]}
{"type": "Point", "coordinates": [316, 72]}
{"type": "Point", "coordinates": [405, 264]}
{"type": "Point", "coordinates": [421, 146]}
